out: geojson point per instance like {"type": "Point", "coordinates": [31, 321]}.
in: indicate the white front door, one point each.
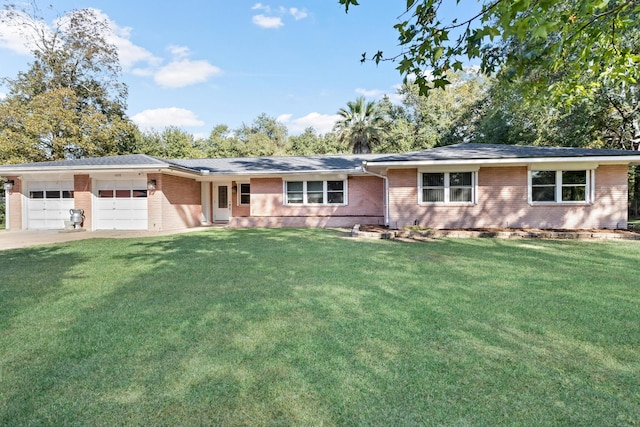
{"type": "Point", "coordinates": [221, 202]}
{"type": "Point", "coordinates": [49, 203]}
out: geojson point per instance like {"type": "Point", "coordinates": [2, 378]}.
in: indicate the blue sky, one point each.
{"type": "Point", "coordinates": [196, 64]}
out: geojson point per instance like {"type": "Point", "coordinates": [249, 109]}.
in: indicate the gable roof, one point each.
{"type": "Point", "coordinates": [117, 161]}
{"type": "Point", "coordinates": [499, 153]}
{"type": "Point", "coordinates": [465, 153]}
{"type": "Point", "coordinates": [278, 165]}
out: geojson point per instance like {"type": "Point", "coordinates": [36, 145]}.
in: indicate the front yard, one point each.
{"type": "Point", "coordinates": [303, 327]}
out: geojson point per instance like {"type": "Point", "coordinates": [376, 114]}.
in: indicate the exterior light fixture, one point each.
{"type": "Point", "coordinates": [8, 186]}
{"type": "Point", "coordinates": [151, 184]}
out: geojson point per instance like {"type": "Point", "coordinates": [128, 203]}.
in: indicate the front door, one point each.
{"type": "Point", "coordinates": [221, 203]}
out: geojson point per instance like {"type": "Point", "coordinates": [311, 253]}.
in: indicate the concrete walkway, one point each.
{"type": "Point", "coordinates": [24, 239]}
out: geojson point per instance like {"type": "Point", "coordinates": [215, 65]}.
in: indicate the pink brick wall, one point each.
{"type": "Point", "coordinates": [15, 204]}
{"type": "Point", "coordinates": [365, 206]}
{"type": "Point", "coordinates": [502, 202]}
{"type": "Point", "coordinates": [175, 203]}
{"type": "Point", "coordinates": [238, 210]}
{"type": "Point", "coordinates": [82, 197]}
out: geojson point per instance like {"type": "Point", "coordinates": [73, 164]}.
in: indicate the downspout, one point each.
{"type": "Point", "coordinates": [7, 210]}
{"type": "Point", "coordinates": [386, 191]}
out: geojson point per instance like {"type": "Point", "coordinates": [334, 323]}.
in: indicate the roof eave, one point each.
{"type": "Point", "coordinates": [519, 161]}
{"type": "Point", "coordinates": [356, 170]}
{"type": "Point", "coordinates": [86, 169]}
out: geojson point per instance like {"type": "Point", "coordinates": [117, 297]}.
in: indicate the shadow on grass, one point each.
{"type": "Point", "coordinates": [300, 327]}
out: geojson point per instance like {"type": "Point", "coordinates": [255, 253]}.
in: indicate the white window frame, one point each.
{"type": "Point", "coordinates": [589, 192]}
{"type": "Point", "coordinates": [324, 192]}
{"type": "Point", "coordinates": [447, 187]}
{"type": "Point", "coordinates": [240, 193]}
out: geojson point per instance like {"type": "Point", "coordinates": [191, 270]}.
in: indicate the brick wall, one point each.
{"type": "Point", "coordinates": [365, 206]}
{"type": "Point", "coordinates": [82, 197]}
{"type": "Point", "coordinates": [502, 202]}
{"type": "Point", "coordinates": [14, 197]}
{"type": "Point", "coordinates": [175, 203]}
{"type": "Point", "coordinates": [238, 210]}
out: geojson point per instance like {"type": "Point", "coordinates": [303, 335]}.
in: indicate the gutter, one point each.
{"type": "Point", "coordinates": [512, 161]}
{"type": "Point", "coordinates": [386, 191]}
{"type": "Point", "coordinates": [8, 170]}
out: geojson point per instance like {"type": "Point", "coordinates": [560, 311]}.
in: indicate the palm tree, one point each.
{"type": "Point", "coordinates": [360, 126]}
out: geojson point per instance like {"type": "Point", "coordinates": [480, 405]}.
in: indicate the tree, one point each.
{"type": "Point", "coordinates": [309, 143]}
{"type": "Point", "coordinates": [550, 35]}
{"type": "Point", "coordinates": [445, 117]}
{"type": "Point", "coordinates": [360, 126]}
{"type": "Point", "coordinates": [264, 137]}
{"type": "Point", "coordinates": [171, 143]}
{"type": "Point", "coordinates": [69, 103]}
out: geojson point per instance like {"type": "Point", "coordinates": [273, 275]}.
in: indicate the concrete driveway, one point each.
{"type": "Point", "coordinates": [23, 239]}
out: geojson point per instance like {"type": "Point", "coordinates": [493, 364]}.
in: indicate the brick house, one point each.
{"type": "Point", "coordinates": [458, 186]}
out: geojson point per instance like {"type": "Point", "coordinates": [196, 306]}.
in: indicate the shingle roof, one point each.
{"type": "Point", "coordinates": [125, 160]}
{"type": "Point", "coordinates": [468, 151]}
{"type": "Point", "coordinates": [286, 164]}
{"type": "Point", "coordinates": [316, 164]}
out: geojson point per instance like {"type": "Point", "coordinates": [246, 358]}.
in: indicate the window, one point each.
{"type": "Point", "coordinates": [315, 192]}
{"type": "Point", "coordinates": [295, 192]}
{"type": "Point", "coordinates": [335, 192]}
{"type": "Point", "coordinates": [543, 186]}
{"type": "Point", "coordinates": [574, 186]}
{"type": "Point", "coordinates": [560, 186]}
{"type": "Point", "coordinates": [447, 187]}
{"type": "Point", "coordinates": [245, 194]}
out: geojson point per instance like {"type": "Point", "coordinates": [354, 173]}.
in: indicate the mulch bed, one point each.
{"type": "Point", "coordinates": [382, 229]}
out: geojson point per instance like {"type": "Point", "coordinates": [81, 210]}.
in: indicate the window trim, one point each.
{"type": "Point", "coordinates": [240, 193]}
{"type": "Point", "coordinates": [589, 192]}
{"type": "Point", "coordinates": [447, 187]}
{"type": "Point", "coordinates": [325, 198]}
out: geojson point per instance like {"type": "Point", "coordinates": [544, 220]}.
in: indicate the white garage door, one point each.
{"type": "Point", "coordinates": [121, 205]}
{"type": "Point", "coordinates": [49, 204]}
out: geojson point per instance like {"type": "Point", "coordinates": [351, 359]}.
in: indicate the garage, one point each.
{"type": "Point", "coordinates": [48, 204]}
{"type": "Point", "coordinates": [121, 205]}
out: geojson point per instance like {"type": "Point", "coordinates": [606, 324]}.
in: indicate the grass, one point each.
{"type": "Point", "coordinates": [303, 327]}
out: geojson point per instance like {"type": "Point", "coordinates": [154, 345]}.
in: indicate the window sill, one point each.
{"type": "Point", "coordinates": [446, 204]}
{"type": "Point", "coordinates": [314, 204]}
{"type": "Point", "coordinates": [548, 204]}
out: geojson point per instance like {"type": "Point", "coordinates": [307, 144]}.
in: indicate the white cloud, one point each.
{"type": "Point", "coordinates": [271, 22]}
{"type": "Point", "coordinates": [160, 118]}
{"type": "Point", "coordinates": [184, 72]}
{"type": "Point", "coordinates": [297, 13]}
{"type": "Point", "coordinates": [2, 96]}
{"type": "Point", "coordinates": [267, 21]}
{"type": "Point", "coordinates": [322, 123]}
{"type": "Point", "coordinates": [372, 93]}
{"type": "Point", "coordinates": [19, 36]}
{"type": "Point", "coordinates": [395, 98]}
{"type": "Point", "coordinates": [260, 6]}
{"type": "Point", "coordinates": [179, 51]}
{"type": "Point", "coordinates": [128, 53]}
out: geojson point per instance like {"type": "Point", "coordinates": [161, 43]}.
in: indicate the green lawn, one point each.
{"type": "Point", "coordinates": [304, 327]}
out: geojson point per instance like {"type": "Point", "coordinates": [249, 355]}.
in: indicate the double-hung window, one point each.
{"type": "Point", "coordinates": [244, 194]}
{"type": "Point", "coordinates": [557, 186]}
{"type": "Point", "coordinates": [447, 187]}
{"type": "Point", "coordinates": [315, 192]}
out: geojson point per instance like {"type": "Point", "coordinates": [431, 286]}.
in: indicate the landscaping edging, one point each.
{"type": "Point", "coordinates": [515, 234]}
